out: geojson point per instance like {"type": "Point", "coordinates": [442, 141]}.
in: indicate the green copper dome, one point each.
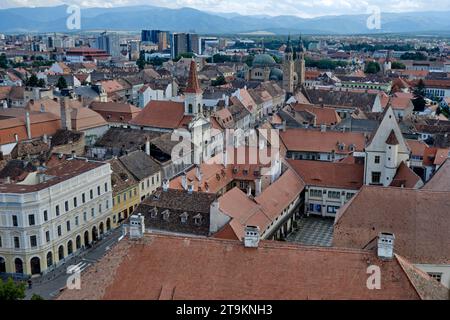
{"type": "Point", "coordinates": [276, 74]}
{"type": "Point", "coordinates": [263, 60]}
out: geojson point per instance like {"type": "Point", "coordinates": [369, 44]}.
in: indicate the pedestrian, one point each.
{"type": "Point", "coordinates": [30, 284]}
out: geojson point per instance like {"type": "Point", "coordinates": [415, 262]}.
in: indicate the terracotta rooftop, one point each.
{"type": "Point", "coordinates": [161, 114]}
{"type": "Point", "coordinates": [406, 178]}
{"type": "Point", "coordinates": [330, 174]}
{"type": "Point", "coordinates": [261, 210]}
{"type": "Point", "coordinates": [418, 218]}
{"type": "Point", "coordinates": [58, 170]}
{"type": "Point", "coordinates": [440, 181]}
{"type": "Point", "coordinates": [324, 115]}
{"type": "Point", "coordinates": [196, 268]}
{"type": "Point", "coordinates": [392, 139]}
{"type": "Point", "coordinates": [317, 141]}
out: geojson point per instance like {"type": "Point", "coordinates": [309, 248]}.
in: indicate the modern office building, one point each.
{"type": "Point", "coordinates": [109, 42]}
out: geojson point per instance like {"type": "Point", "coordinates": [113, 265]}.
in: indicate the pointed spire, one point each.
{"type": "Point", "coordinates": [301, 47]}
{"type": "Point", "coordinates": [288, 45]}
{"type": "Point", "coordinates": [193, 84]}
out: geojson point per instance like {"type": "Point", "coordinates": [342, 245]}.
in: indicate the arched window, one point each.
{"type": "Point", "coordinates": [49, 259]}
{"type": "Point", "coordinates": [61, 252]}
{"type": "Point", "coordinates": [35, 264]}
{"type": "Point", "coordinates": [94, 234]}
{"type": "Point", "coordinates": [101, 228]}
{"type": "Point", "coordinates": [18, 265]}
{"type": "Point", "coordinates": [108, 224]}
{"type": "Point", "coordinates": [86, 238]}
{"type": "Point", "coordinates": [2, 265]}
{"type": "Point", "coordinates": [69, 247]}
{"type": "Point", "coordinates": [190, 110]}
{"type": "Point", "coordinates": [78, 242]}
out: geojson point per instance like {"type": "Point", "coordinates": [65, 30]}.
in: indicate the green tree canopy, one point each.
{"type": "Point", "coordinates": [3, 61]}
{"type": "Point", "coordinates": [62, 83]}
{"type": "Point", "coordinates": [398, 65]}
{"type": "Point", "coordinates": [419, 96]}
{"type": "Point", "coordinates": [32, 81]}
{"type": "Point", "coordinates": [10, 290]}
{"type": "Point", "coordinates": [219, 81]}
{"type": "Point", "coordinates": [372, 67]}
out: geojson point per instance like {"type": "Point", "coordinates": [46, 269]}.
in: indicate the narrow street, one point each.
{"type": "Point", "coordinates": [49, 285]}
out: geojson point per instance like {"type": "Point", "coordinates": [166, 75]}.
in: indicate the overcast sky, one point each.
{"type": "Point", "coordinates": [302, 8]}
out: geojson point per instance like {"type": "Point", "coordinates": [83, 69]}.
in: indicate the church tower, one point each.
{"type": "Point", "coordinates": [193, 95]}
{"type": "Point", "coordinates": [288, 69]}
{"type": "Point", "coordinates": [300, 63]}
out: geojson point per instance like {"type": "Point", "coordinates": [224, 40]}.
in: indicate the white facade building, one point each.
{"type": "Point", "coordinates": [53, 214]}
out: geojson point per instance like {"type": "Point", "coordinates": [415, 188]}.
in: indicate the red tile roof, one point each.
{"type": "Point", "coordinates": [324, 115]}
{"type": "Point", "coordinates": [419, 219]}
{"type": "Point", "coordinates": [161, 267]}
{"type": "Point", "coordinates": [330, 174]}
{"type": "Point", "coordinates": [406, 178]}
{"type": "Point", "coordinates": [162, 114]}
{"type": "Point", "coordinates": [441, 179]}
{"type": "Point", "coordinates": [317, 141]}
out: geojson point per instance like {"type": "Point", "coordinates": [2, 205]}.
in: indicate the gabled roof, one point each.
{"type": "Point", "coordinates": [419, 219]}
{"type": "Point", "coordinates": [161, 114]}
{"type": "Point", "coordinates": [198, 268]}
{"type": "Point", "coordinates": [441, 179]}
{"type": "Point", "coordinates": [330, 174]}
{"type": "Point", "coordinates": [140, 164]}
{"type": "Point", "coordinates": [317, 141]}
{"type": "Point", "coordinates": [406, 178]}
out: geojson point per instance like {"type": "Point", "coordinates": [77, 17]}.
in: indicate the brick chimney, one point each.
{"type": "Point", "coordinates": [66, 120]}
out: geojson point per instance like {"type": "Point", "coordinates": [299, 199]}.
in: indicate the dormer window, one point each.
{"type": "Point", "coordinates": [184, 217]}
{"type": "Point", "coordinates": [154, 213]}
{"type": "Point", "coordinates": [245, 172]}
{"type": "Point", "coordinates": [198, 219]}
{"type": "Point", "coordinates": [166, 215]}
{"type": "Point", "coordinates": [352, 147]}
{"type": "Point", "coordinates": [341, 146]}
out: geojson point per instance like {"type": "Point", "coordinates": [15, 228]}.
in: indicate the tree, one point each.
{"type": "Point", "coordinates": [419, 96]}
{"type": "Point", "coordinates": [3, 61]}
{"type": "Point", "coordinates": [10, 290]}
{"type": "Point", "coordinates": [36, 297]}
{"type": "Point", "coordinates": [219, 81]}
{"type": "Point", "coordinates": [62, 84]}
{"type": "Point", "coordinates": [372, 67]}
{"type": "Point", "coordinates": [32, 81]}
{"type": "Point", "coordinates": [398, 65]}
{"type": "Point", "coordinates": [184, 55]}
{"type": "Point", "coordinates": [41, 83]}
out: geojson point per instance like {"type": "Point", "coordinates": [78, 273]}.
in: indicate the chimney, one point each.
{"type": "Point", "coordinates": [198, 173]}
{"type": "Point", "coordinates": [251, 237]}
{"type": "Point", "coordinates": [190, 188]}
{"type": "Point", "coordinates": [5, 105]}
{"type": "Point", "coordinates": [27, 123]}
{"type": "Point", "coordinates": [137, 226]}
{"type": "Point", "coordinates": [36, 93]}
{"type": "Point", "coordinates": [8, 180]}
{"type": "Point", "coordinates": [147, 146]}
{"type": "Point", "coordinates": [165, 185]}
{"type": "Point", "coordinates": [249, 191]}
{"type": "Point", "coordinates": [183, 181]}
{"type": "Point", "coordinates": [323, 128]}
{"type": "Point", "coordinates": [258, 186]}
{"type": "Point", "coordinates": [386, 245]}
{"type": "Point", "coordinates": [66, 120]}
{"type": "Point", "coordinates": [44, 138]}
{"type": "Point", "coordinates": [42, 109]}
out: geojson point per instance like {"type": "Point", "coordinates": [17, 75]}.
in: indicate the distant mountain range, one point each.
{"type": "Point", "coordinates": [53, 19]}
